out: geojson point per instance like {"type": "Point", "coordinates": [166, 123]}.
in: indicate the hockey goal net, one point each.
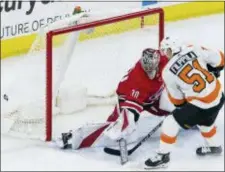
{"type": "Point", "coordinates": [74, 63]}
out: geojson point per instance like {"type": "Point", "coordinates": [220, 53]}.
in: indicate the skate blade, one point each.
{"type": "Point", "coordinates": [155, 168]}
{"type": "Point", "coordinates": [208, 155]}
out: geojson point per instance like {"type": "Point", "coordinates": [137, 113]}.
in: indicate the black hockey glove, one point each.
{"type": "Point", "coordinates": [215, 70]}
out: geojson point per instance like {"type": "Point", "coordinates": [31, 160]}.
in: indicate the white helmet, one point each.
{"type": "Point", "coordinates": [171, 43]}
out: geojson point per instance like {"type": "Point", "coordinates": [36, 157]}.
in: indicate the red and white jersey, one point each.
{"type": "Point", "coordinates": [138, 90]}
{"type": "Point", "coordinates": [187, 78]}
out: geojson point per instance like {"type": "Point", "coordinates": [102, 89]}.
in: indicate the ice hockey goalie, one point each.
{"type": "Point", "coordinates": [139, 90]}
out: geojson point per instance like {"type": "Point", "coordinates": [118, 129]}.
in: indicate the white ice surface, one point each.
{"type": "Point", "coordinates": [25, 154]}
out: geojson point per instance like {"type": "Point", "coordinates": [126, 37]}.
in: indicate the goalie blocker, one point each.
{"type": "Point", "coordinates": [140, 90]}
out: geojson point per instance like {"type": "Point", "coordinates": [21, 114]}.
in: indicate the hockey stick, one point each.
{"type": "Point", "coordinates": [117, 152]}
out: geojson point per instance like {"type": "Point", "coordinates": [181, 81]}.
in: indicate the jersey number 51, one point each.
{"type": "Point", "coordinates": [196, 79]}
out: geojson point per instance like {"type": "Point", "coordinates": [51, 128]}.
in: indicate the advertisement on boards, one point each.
{"type": "Point", "coordinates": [24, 17]}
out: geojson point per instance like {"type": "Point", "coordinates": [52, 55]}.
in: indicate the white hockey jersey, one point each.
{"type": "Point", "coordinates": [187, 78]}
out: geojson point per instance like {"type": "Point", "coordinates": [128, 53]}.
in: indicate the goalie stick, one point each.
{"type": "Point", "coordinates": [123, 151]}
{"type": "Point", "coordinates": [129, 152]}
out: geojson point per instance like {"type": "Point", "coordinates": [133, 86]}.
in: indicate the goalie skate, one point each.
{"type": "Point", "coordinates": [63, 142]}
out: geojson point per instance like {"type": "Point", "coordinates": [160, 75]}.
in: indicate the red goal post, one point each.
{"type": "Point", "coordinates": [49, 50]}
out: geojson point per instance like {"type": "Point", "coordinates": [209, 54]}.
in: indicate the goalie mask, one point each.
{"type": "Point", "coordinates": [150, 61]}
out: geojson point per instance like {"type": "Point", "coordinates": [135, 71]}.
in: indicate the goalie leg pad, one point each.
{"type": "Point", "coordinates": [115, 114]}
{"type": "Point", "coordinates": [124, 126]}
{"type": "Point", "coordinates": [87, 135]}
{"type": "Point", "coordinates": [120, 124]}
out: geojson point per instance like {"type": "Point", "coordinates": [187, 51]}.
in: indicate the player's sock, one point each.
{"type": "Point", "coordinates": [212, 145]}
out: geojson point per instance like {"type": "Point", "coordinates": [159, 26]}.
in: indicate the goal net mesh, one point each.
{"type": "Point", "coordinates": [85, 63]}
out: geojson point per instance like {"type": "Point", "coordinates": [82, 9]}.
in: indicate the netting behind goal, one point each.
{"type": "Point", "coordinates": [75, 63]}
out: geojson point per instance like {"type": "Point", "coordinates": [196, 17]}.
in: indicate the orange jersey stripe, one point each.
{"type": "Point", "coordinates": [176, 101]}
{"type": "Point", "coordinates": [209, 134]}
{"type": "Point", "coordinates": [167, 139]}
{"type": "Point", "coordinates": [210, 98]}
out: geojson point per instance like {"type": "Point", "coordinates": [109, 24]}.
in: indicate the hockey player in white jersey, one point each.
{"type": "Point", "coordinates": [192, 85]}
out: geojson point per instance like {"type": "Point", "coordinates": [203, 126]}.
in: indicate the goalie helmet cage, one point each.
{"type": "Point", "coordinates": [79, 27]}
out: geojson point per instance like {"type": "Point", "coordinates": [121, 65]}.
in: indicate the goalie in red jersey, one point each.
{"type": "Point", "coordinates": [140, 90]}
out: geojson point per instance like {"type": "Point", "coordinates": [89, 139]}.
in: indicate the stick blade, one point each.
{"type": "Point", "coordinates": [112, 151]}
{"type": "Point", "coordinates": [123, 151]}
